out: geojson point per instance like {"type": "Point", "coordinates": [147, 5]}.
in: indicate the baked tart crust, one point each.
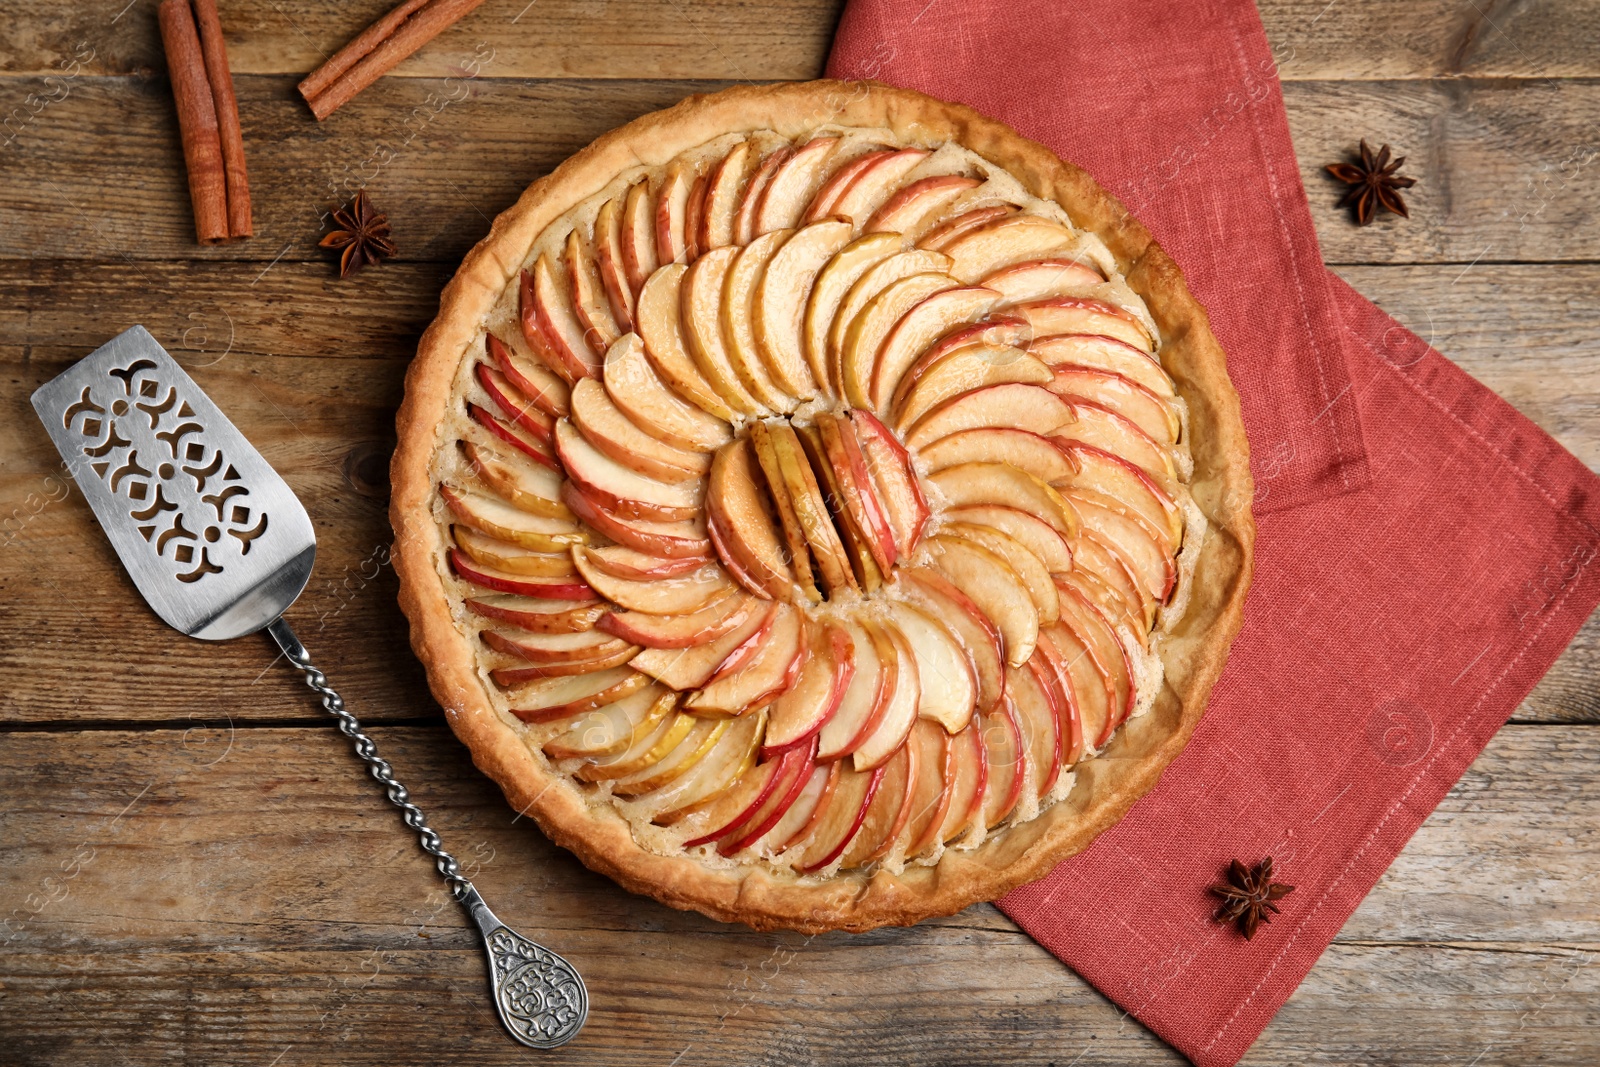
{"type": "Point", "coordinates": [1193, 632]}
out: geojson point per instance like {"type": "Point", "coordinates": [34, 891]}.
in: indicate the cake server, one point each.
{"type": "Point", "coordinates": [220, 547]}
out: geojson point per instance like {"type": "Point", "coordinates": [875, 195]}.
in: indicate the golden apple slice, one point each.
{"type": "Point", "coordinates": [898, 489]}
{"type": "Point", "coordinates": [744, 223]}
{"type": "Point", "coordinates": [1040, 538]}
{"type": "Point", "coordinates": [923, 199]}
{"type": "Point", "coordinates": [929, 795]}
{"type": "Point", "coordinates": [1004, 750]}
{"type": "Point", "coordinates": [876, 182]}
{"type": "Point", "coordinates": [620, 561]}
{"type": "Point", "coordinates": [858, 497]}
{"type": "Point", "coordinates": [589, 300]}
{"type": "Point", "coordinates": [1038, 279]}
{"type": "Point", "coordinates": [873, 281]}
{"type": "Point", "coordinates": [638, 225]}
{"type": "Point", "coordinates": [967, 778]}
{"type": "Point", "coordinates": [549, 699]}
{"type": "Point", "coordinates": [822, 204]}
{"type": "Point", "coordinates": [990, 583]}
{"type": "Point", "coordinates": [811, 511]}
{"type": "Point", "coordinates": [864, 700]}
{"type": "Point", "coordinates": [780, 301]}
{"type": "Point", "coordinates": [646, 752]}
{"type": "Point", "coordinates": [722, 198]}
{"type": "Point", "coordinates": [703, 288]}
{"type": "Point", "coordinates": [1079, 314]}
{"type": "Point", "coordinates": [1157, 418]}
{"type": "Point", "coordinates": [675, 539]}
{"type": "Point", "coordinates": [739, 320]}
{"type": "Point", "coordinates": [635, 388]}
{"type": "Point", "coordinates": [979, 638]}
{"type": "Point", "coordinates": [790, 525]}
{"type": "Point", "coordinates": [605, 426]}
{"type": "Point", "coordinates": [794, 182]}
{"type": "Point", "coordinates": [1014, 239]}
{"type": "Point", "coordinates": [899, 712]}
{"type": "Point", "coordinates": [512, 559]}
{"type": "Point", "coordinates": [554, 587]}
{"type": "Point", "coordinates": [1117, 434]}
{"type": "Point", "coordinates": [538, 614]}
{"type": "Point", "coordinates": [974, 217]}
{"type": "Point", "coordinates": [699, 740]}
{"type": "Point", "coordinates": [681, 631]}
{"type": "Point", "coordinates": [1138, 543]}
{"type": "Point", "coordinates": [693, 666]}
{"type": "Point", "coordinates": [1091, 689]}
{"type": "Point", "coordinates": [672, 208]}
{"type": "Point", "coordinates": [526, 485]}
{"type": "Point", "coordinates": [744, 522]}
{"type": "Point", "coordinates": [620, 489]}
{"type": "Point", "coordinates": [949, 682]}
{"type": "Point", "coordinates": [1037, 455]}
{"type": "Point", "coordinates": [606, 732]}
{"type": "Point", "coordinates": [563, 335]}
{"type": "Point", "coordinates": [828, 292]}
{"type": "Point", "coordinates": [799, 714]}
{"type": "Point", "coordinates": [609, 262]}
{"type": "Point", "coordinates": [1007, 486]}
{"type": "Point", "coordinates": [767, 675]}
{"type": "Point", "coordinates": [889, 811]}
{"type": "Point", "coordinates": [495, 517]}
{"type": "Point", "coordinates": [547, 391]}
{"type": "Point", "coordinates": [1029, 567]}
{"type": "Point", "coordinates": [839, 821]}
{"type": "Point", "coordinates": [868, 575]}
{"type": "Point", "coordinates": [1107, 354]}
{"type": "Point", "coordinates": [1112, 476]}
{"type": "Point", "coordinates": [964, 371]}
{"type": "Point", "coordinates": [864, 337]}
{"type": "Point", "coordinates": [660, 316]}
{"type": "Point", "coordinates": [938, 314]}
{"type": "Point", "coordinates": [1014, 406]}
{"type": "Point", "coordinates": [728, 760]}
{"type": "Point", "coordinates": [1040, 726]}
{"type": "Point", "coordinates": [682, 595]}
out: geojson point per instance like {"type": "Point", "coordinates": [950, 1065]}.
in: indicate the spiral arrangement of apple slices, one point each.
{"type": "Point", "coordinates": [816, 504]}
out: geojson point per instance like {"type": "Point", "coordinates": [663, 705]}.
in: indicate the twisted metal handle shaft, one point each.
{"type": "Point", "coordinates": [539, 995]}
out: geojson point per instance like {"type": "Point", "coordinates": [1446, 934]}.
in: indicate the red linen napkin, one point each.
{"type": "Point", "coordinates": [1424, 552]}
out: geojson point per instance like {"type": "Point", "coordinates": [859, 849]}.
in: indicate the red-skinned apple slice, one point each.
{"type": "Point", "coordinates": [1080, 314]}
{"type": "Point", "coordinates": [821, 205]}
{"type": "Point", "coordinates": [739, 318]}
{"type": "Point", "coordinates": [609, 262]}
{"type": "Point", "coordinates": [1006, 755]}
{"type": "Point", "coordinates": [660, 596]}
{"type": "Point", "coordinates": [626, 493]}
{"type": "Point", "coordinates": [639, 259]}
{"type": "Point", "coordinates": [798, 715]}
{"type": "Point", "coordinates": [990, 582]}
{"type": "Point", "coordinates": [589, 301]}
{"type": "Point", "coordinates": [889, 811]}
{"type": "Point", "coordinates": [1040, 725]}
{"type": "Point", "coordinates": [979, 638]}
{"type": "Point", "coordinates": [681, 631]}
{"type": "Point", "coordinates": [639, 393]}
{"type": "Point", "coordinates": [779, 302]}
{"type": "Point", "coordinates": [967, 780]}
{"type": "Point", "coordinates": [660, 316]}
{"type": "Point", "coordinates": [1001, 484]}
{"type": "Point", "coordinates": [945, 672]}
{"type": "Point", "coordinates": [1106, 580]}
{"type": "Point", "coordinates": [1028, 451]}
{"type": "Point", "coordinates": [1117, 434]}
{"type": "Point", "coordinates": [1052, 678]}
{"type": "Point", "coordinates": [841, 819]}
{"type": "Point", "coordinates": [1015, 239]}
{"type": "Point", "coordinates": [1029, 567]}
{"type": "Point", "coordinates": [722, 198]}
{"type": "Point", "coordinates": [513, 559]}
{"type": "Point", "coordinates": [525, 484]}
{"type": "Point", "coordinates": [745, 526]}
{"type": "Point", "coordinates": [1112, 476]}
{"type": "Point", "coordinates": [951, 229]}
{"type": "Point", "coordinates": [733, 807]}
{"type": "Point", "coordinates": [767, 675]}
{"type": "Point", "coordinates": [876, 183]}
{"type": "Point", "coordinates": [794, 771]}
{"type": "Point", "coordinates": [858, 496]}
{"type": "Point", "coordinates": [621, 561]}
{"type": "Point", "coordinates": [538, 615]}
{"type": "Point", "coordinates": [1090, 682]}
{"type": "Point", "coordinates": [873, 281]}
{"type": "Point", "coordinates": [550, 699]}
{"type": "Point", "coordinates": [1144, 409]}
{"type": "Point", "coordinates": [1040, 538]}
{"type": "Point", "coordinates": [921, 200]}
{"type": "Point", "coordinates": [672, 211]}
{"type": "Point", "coordinates": [1014, 406]}
{"type": "Point", "coordinates": [797, 818]}
{"type": "Point", "coordinates": [564, 338]}
{"type": "Point", "coordinates": [1009, 331]}
{"type": "Point", "coordinates": [864, 700]}
{"type": "Point", "coordinates": [805, 494]}
{"type": "Point", "coordinates": [896, 483]}
{"type": "Point", "coordinates": [608, 428]}
{"type": "Point", "coordinates": [964, 371]}
{"type": "Point", "coordinates": [1107, 354]}
{"type": "Point", "coordinates": [1139, 544]}
{"type": "Point", "coordinates": [867, 333]}
{"type": "Point", "coordinates": [919, 327]}
{"type": "Point", "coordinates": [1090, 626]}
{"type": "Point", "coordinates": [500, 520]}
{"type": "Point", "coordinates": [929, 793]}
{"type": "Point", "coordinates": [519, 409]}
{"type": "Point", "coordinates": [693, 216]}
{"type": "Point", "coordinates": [828, 291]}
{"type": "Point", "coordinates": [731, 758]}
{"type": "Point", "coordinates": [675, 539]}
{"type": "Point", "coordinates": [547, 662]}
{"type": "Point", "coordinates": [900, 711]}
{"type": "Point", "coordinates": [515, 436]}
{"type": "Point", "coordinates": [1039, 279]}
{"type": "Point", "coordinates": [692, 666]}
{"type": "Point", "coordinates": [744, 223]}
{"type": "Point", "coordinates": [469, 570]}
{"type": "Point", "coordinates": [546, 390]}
{"type": "Point", "coordinates": [794, 182]}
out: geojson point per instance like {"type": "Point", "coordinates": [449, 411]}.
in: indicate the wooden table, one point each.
{"type": "Point", "coordinates": [192, 868]}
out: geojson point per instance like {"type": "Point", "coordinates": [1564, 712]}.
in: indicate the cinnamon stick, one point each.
{"type": "Point", "coordinates": [215, 53]}
{"type": "Point", "coordinates": [377, 50]}
{"type": "Point", "coordinates": [197, 121]}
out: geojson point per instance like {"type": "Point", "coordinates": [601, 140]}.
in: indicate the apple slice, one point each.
{"type": "Point", "coordinates": [1007, 331]}
{"type": "Point", "coordinates": [729, 759]}
{"type": "Point", "coordinates": [1131, 486]}
{"type": "Point", "coordinates": [722, 198]}
{"type": "Point", "coordinates": [588, 295]}
{"type": "Point", "coordinates": [840, 819]}
{"type": "Point", "coordinates": [811, 511]}
{"type": "Point", "coordinates": [876, 182]}
{"type": "Point", "coordinates": [898, 489]}
{"type": "Point", "coordinates": [639, 259]}
{"type": "Point", "coordinates": [489, 552]}
{"type": "Point", "coordinates": [1039, 537]}
{"type": "Point", "coordinates": [929, 795]}
{"type": "Point", "coordinates": [780, 301]}
{"type": "Point", "coordinates": [814, 791]}
{"type": "Point", "coordinates": [1029, 567]}
{"type": "Point", "coordinates": [522, 411]}
{"type": "Point", "coordinates": [1015, 406]}
{"type": "Point", "coordinates": [1080, 314]}
{"type": "Point", "coordinates": [821, 205]}
{"type": "Point", "coordinates": [674, 539]}
{"type": "Point", "coordinates": [1090, 682]}
{"type": "Point", "coordinates": [889, 811]}
{"type": "Point", "coordinates": [770, 672]}
{"type": "Point", "coordinates": [858, 498]}
{"type": "Point", "coordinates": [672, 209]}
{"type": "Point", "coordinates": [1039, 723]}
{"type": "Point", "coordinates": [608, 428]}
{"type": "Point", "coordinates": [828, 292]}
{"type": "Point", "coordinates": [537, 614]}
{"type": "Point", "coordinates": [564, 339]}
{"type": "Point", "coordinates": [795, 180]}
{"type": "Point", "coordinates": [644, 753]}
{"type": "Point", "coordinates": [1015, 239]}
{"type": "Point", "coordinates": [620, 561]}
{"type": "Point", "coordinates": [919, 327]}
{"type": "Point", "coordinates": [468, 570]}
{"type": "Point", "coordinates": [609, 262]}
{"type": "Point", "coordinates": [923, 199]}
{"type": "Point", "coordinates": [1157, 418]}
{"type": "Point", "coordinates": [513, 435]}
{"type": "Point", "coordinates": [949, 682]}
{"type": "Point", "coordinates": [1107, 354]}
{"type": "Point", "coordinates": [1023, 449]}
{"type": "Point", "coordinates": [660, 316]}
{"type": "Point", "coordinates": [899, 713]}
{"type": "Point", "coordinates": [495, 517]}
{"type": "Point", "coordinates": [862, 704]}
{"type": "Point", "coordinates": [864, 338]}
{"type": "Point", "coordinates": [692, 666]}
{"type": "Point", "coordinates": [745, 526]}
{"type": "Point", "coordinates": [633, 385]}
{"type": "Point", "coordinates": [732, 807]}
{"type": "Point", "coordinates": [936, 239]}
{"type": "Point", "coordinates": [794, 771]}
{"type": "Point", "coordinates": [625, 492]}
{"type": "Point", "coordinates": [1006, 486]}
{"type": "Point", "coordinates": [702, 314]}
{"type": "Point", "coordinates": [797, 551]}
{"type": "Point", "coordinates": [744, 223]}
{"type": "Point", "coordinates": [967, 778]}
{"type": "Point", "coordinates": [1052, 678]}
{"type": "Point", "coordinates": [608, 731]}
{"type": "Point", "coordinates": [616, 653]}
{"type": "Point", "coordinates": [1106, 430]}
{"type": "Point", "coordinates": [1106, 580]}
{"type": "Point", "coordinates": [964, 371]}
{"type": "Point", "coordinates": [550, 699]}
{"type": "Point", "coordinates": [699, 740]}
{"type": "Point", "coordinates": [991, 583]}
{"type": "Point", "coordinates": [980, 640]}
{"type": "Point", "coordinates": [659, 596]}
{"type": "Point", "coordinates": [693, 214]}
{"type": "Point", "coordinates": [681, 631]}
{"type": "Point", "coordinates": [799, 714]}
{"type": "Point", "coordinates": [546, 390]}
{"type": "Point", "coordinates": [1137, 543]}
{"type": "Point", "coordinates": [1038, 279]}
{"type": "Point", "coordinates": [1091, 627]}
{"type": "Point", "coordinates": [1006, 755]}
{"type": "Point", "coordinates": [739, 318]}
{"type": "Point", "coordinates": [526, 485]}
{"type": "Point", "coordinates": [864, 569]}
{"type": "Point", "coordinates": [874, 280]}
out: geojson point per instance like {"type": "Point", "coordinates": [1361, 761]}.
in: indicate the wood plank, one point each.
{"type": "Point", "coordinates": [789, 39]}
{"type": "Point", "coordinates": [249, 891]}
{"type": "Point", "coordinates": [1506, 170]}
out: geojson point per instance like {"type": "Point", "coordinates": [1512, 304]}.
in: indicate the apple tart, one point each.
{"type": "Point", "coordinates": [818, 506]}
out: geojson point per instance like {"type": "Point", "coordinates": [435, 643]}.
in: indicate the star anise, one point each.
{"type": "Point", "coordinates": [1248, 896]}
{"type": "Point", "coordinates": [1372, 182]}
{"type": "Point", "coordinates": [363, 234]}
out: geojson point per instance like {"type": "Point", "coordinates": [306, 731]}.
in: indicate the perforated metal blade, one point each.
{"type": "Point", "coordinates": [214, 539]}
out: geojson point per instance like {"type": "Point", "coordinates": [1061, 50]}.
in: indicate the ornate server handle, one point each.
{"type": "Point", "coordinates": [539, 995]}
